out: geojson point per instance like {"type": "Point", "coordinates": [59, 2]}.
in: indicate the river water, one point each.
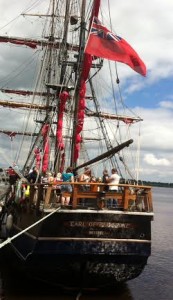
{"type": "Point", "coordinates": [154, 283]}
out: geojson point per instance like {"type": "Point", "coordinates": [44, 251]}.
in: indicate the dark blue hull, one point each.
{"type": "Point", "coordinates": [99, 249]}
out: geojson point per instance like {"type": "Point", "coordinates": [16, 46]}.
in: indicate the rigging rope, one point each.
{"type": "Point", "coordinates": [138, 156]}
{"type": "Point", "coordinates": [24, 11]}
{"type": "Point", "coordinates": [18, 71]}
{"type": "Point", "coordinates": [79, 295]}
{"type": "Point", "coordinates": [8, 240]}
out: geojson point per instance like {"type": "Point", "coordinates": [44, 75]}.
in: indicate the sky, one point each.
{"type": "Point", "coordinates": [148, 27]}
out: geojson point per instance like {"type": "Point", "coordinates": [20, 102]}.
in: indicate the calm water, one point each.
{"type": "Point", "coordinates": [154, 283]}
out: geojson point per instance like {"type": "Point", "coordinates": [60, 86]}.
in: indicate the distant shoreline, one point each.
{"type": "Point", "coordinates": [159, 184]}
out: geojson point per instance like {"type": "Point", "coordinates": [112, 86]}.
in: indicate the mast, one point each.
{"type": "Point", "coordinates": [40, 139]}
{"type": "Point", "coordinates": [63, 51]}
{"type": "Point", "coordinates": [51, 38]}
{"type": "Point", "coordinates": [63, 55]}
{"type": "Point", "coordinates": [78, 72]}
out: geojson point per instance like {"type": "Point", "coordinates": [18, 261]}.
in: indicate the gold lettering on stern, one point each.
{"type": "Point", "coordinates": [98, 224]}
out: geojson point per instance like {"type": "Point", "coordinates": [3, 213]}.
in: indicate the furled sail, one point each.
{"type": "Point", "coordinates": [87, 62]}
{"type": "Point", "coordinates": [32, 43]}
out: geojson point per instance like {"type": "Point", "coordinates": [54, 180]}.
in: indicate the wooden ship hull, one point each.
{"type": "Point", "coordinates": [85, 244]}
{"type": "Point", "coordinates": [89, 243]}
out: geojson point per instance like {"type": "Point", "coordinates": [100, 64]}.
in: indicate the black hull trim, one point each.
{"type": "Point", "coordinates": [96, 270]}
{"type": "Point", "coordinates": [76, 272]}
{"type": "Point", "coordinates": [81, 249]}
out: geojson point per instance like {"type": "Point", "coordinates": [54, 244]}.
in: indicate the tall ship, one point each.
{"type": "Point", "coordinates": [75, 212]}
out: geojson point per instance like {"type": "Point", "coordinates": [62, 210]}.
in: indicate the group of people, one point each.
{"type": "Point", "coordinates": [111, 181]}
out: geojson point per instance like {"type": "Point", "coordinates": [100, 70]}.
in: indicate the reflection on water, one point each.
{"type": "Point", "coordinates": [154, 283]}
{"type": "Point", "coordinates": [156, 280]}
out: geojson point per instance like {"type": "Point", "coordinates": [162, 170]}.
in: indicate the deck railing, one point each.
{"type": "Point", "coordinates": [127, 198]}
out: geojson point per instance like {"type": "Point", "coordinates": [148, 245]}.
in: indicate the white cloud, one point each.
{"type": "Point", "coordinates": [166, 104]}
{"type": "Point", "coordinates": [151, 159]}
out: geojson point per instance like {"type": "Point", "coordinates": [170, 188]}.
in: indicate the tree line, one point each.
{"type": "Point", "coordinates": [159, 184]}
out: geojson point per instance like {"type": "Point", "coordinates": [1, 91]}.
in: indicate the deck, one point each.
{"type": "Point", "coordinates": [127, 198]}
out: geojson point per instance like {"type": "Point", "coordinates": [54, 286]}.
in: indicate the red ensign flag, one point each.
{"type": "Point", "coordinates": [103, 43]}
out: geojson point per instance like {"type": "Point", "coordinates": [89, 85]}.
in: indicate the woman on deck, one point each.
{"type": "Point", "coordinates": [68, 176]}
{"type": "Point", "coordinates": [85, 177]}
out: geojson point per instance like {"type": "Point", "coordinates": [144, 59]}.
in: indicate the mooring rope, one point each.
{"type": "Point", "coordinates": [78, 296]}
{"type": "Point", "coordinates": [8, 240]}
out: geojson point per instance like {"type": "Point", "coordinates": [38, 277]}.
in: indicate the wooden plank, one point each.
{"type": "Point", "coordinates": [48, 194]}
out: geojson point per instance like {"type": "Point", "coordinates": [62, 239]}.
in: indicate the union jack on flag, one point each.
{"type": "Point", "coordinates": [103, 32]}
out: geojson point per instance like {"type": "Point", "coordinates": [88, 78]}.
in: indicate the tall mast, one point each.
{"type": "Point", "coordinates": [63, 52]}
{"type": "Point", "coordinates": [51, 38]}
{"type": "Point", "coordinates": [63, 56]}
{"type": "Point", "coordinates": [78, 72]}
{"type": "Point", "coordinates": [48, 52]}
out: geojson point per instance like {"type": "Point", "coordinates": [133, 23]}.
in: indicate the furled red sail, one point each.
{"type": "Point", "coordinates": [46, 147]}
{"type": "Point", "coordinates": [81, 107]}
{"type": "Point", "coordinates": [11, 134]}
{"type": "Point", "coordinates": [25, 93]}
{"type": "Point", "coordinates": [82, 91]}
{"type": "Point", "coordinates": [63, 97]}
{"type": "Point", "coordinates": [61, 108]}
{"type": "Point", "coordinates": [31, 44]}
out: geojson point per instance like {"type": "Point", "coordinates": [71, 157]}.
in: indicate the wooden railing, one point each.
{"type": "Point", "coordinates": [127, 198]}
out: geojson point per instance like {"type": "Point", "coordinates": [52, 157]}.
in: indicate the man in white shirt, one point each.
{"type": "Point", "coordinates": [113, 179]}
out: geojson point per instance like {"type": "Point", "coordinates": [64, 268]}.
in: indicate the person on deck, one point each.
{"type": "Point", "coordinates": [13, 177]}
{"type": "Point", "coordinates": [33, 176]}
{"type": "Point", "coordinates": [113, 179]}
{"type": "Point", "coordinates": [105, 178]}
{"type": "Point", "coordinates": [68, 176]}
{"type": "Point", "coordinates": [85, 177]}
{"type": "Point", "coordinates": [26, 172]}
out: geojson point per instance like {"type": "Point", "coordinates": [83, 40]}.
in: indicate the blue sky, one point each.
{"type": "Point", "coordinates": [148, 27]}
{"type": "Point", "coordinates": [150, 96]}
